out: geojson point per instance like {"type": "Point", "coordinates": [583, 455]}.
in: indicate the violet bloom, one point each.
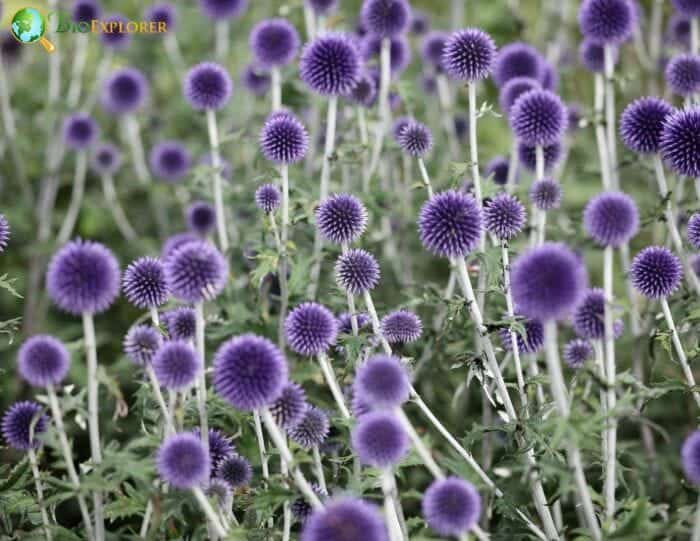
{"type": "Point", "coordinates": [176, 241]}
{"type": "Point", "coordinates": [656, 272]}
{"type": "Point", "coordinates": [431, 48]}
{"type": "Point", "coordinates": [517, 60]}
{"type": "Point", "coordinates": [677, 31]}
{"type": "Point", "coordinates": [420, 23]}
{"type": "Point", "coordinates": [141, 343]}
{"type": "Point", "coordinates": [364, 93]}
{"type": "Point", "coordinates": [341, 218]}
{"type": "Point", "coordinates": [330, 64]}
{"type": "Point", "coordinates": [683, 75]}
{"type": "Point", "coordinates": [144, 283]}
{"type": "Point", "coordinates": [611, 219]}
{"type": "Point", "coordinates": [468, 55]}
{"type": "Point", "coordinates": [180, 323]}
{"type": "Point", "coordinates": [17, 422]}
{"type": "Point", "coordinates": [591, 55]}
{"type": "Point", "coordinates": [450, 224]}
{"type": "Point", "coordinates": [642, 123]}
{"type": "Point", "coordinates": [115, 39]}
{"type": "Point", "coordinates": [80, 131]}
{"type": "Point", "coordinates": [588, 317]}
{"type": "Point", "coordinates": [680, 144]}
{"type": "Point", "coordinates": [107, 159]}
{"type": "Point", "coordinates": [220, 446]}
{"type": "Point", "coordinates": [345, 518]}
{"type": "Point", "coordinates": [689, 8]}
{"type": "Point", "coordinates": [223, 9]}
{"type": "Point", "coordinates": [690, 457]}
{"type": "Point", "coordinates": [399, 125]}
{"type": "Point", "coordinates": [207, 86]}
{"type": "Point", "coordinates": [85, 11]}
{"type": "Point", "coordinates": [201, 218]}
{"type": "Point", "coordinates": [415, 139]}
{"type": "Point", "coordinates": [43, 360]}
{"type": "Point", "coordinates": [399, 51]}
{"type": "Point", "coordinates": [504, 216]}
{"type": "Point", "coordinates": [357, 271]}
{"type": "Point", "coordinates": [254, 81]}
{"type": "Point", "coordinates": [283, 139]}
{"type": "Point", "coordinates": [177, 365]}
{"type": "Point", "coordinates": [513, 89]}
{"type": "Point", "coordinates": [274, 43]}
{"type": "Point", "coordinates": [379, 439]}
{"type": "Point", "coordinates": [235, 470]}
{"type": "Point", "coordinates": [531, 342]}
{"type": "Point", "coordinates": [289, 408]}
{"type": "Point", "coordinates": [550, 77]}
{"type": "Point", "coordinates": [268, 198]}
{"type": "Point", "coordinates": [4, 232]}
{"type": "Point", "coordinates": [183, 461]}
{"type": "Point", "coordinates": [312, 430]}
{"type": "Point", "coordinates": [538, 117]}
{"type": "Point", "coordinates": [386, 18]}
{"type": "Point", "coordinates": [170, 161]}
{"type": "Point", "coordinates": [607, 21]}
{"type": "Point", "coordinates": [162, 12]}
{"type": "Point", "coordinates": [545, 194]}
{"type": "Point", "coordinates": [382, 382]}
{"type": "Point", "coordinates": [577, 352]}
{"type": "Point", "coordinates": [401, 327]}
{"type": "Point", "coordinates": [310, 329]}
{"type": "Point", "coordinates": [322, 7]}
{"type": "Point", "coordinates": [694, 230]}
{"type": "Point", "coordinates": [528, 158]}
{"type": "Point", "coordinates": [124, 91]}
{"type": "Point", "coordinates": [497, 170]}
{"type": "Point", "coordinates": [11, 49]}
{"type": "Point", "coordinates": [196, 272]}
{"type": "Point", "coordinates": [451, 506]}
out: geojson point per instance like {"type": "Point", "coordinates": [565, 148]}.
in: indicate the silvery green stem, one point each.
{"type": "Point", "coordinates": [283, 262]}
{"type": "Point", "coordinates": [512, 166]}
{"type": "Point", "coordinates": [610, 372]}
{"type": "Point", "coordinates": [418, 445]}
{"type": "Point", "coordinates": [425, 177]}
{"type": "Point", "coordinates": [172, 49]}
{"type": "Point", "coordinates": [600, 365]}
{"type": "Point", "coordinates": [155, 319]}
{"type": "Point", "coordinates": [222, 28]}
{"type": "Point", "coordinates": [505, 258]}
{"type": "Point", "coordinates": [309, 21]}
{"type": "Point", "coordinates": [136, 147]}
{"type": "Point", "coordinates": [445, 97]}
{"type": "Point", "coordinates": [100, 73]}
{"type": "Point", "coordinates": [54, 64]}
{"type": "Point", "coordinates": [332, 383]}
{"type": "Point", "coordinates": [275, 232]}
{"type": "Point", "coordinates": [318, 464]}
{"type": "Point", "coordinates": [539, 216]}
{"type": "Point", "coordinates": [165, 413]}
{"type": "Point", "coordinates": [217, 183]}
{"type": "Point", "coordinates": [610, 114]}
{"type": "Point", "coordinates": [68, 458]}
{"type": "Point", "coordinates": [212, 516]}
{"type": "Point", "coordinates": [39, 492]}
{"type": "Point", "coordinates": [383, 100]}
{"type": "Point", "coordinates": [116, 209]}
{"type": "Point", "coordinates": [534, 371]}
{"type": "Point", "coordinates": [392, 519]}
{"type": "Point", "coordinates": [78, 61]}
{"type": "Point", "coordinates": [599, 112]}
{"type": "Point", "coordinates": [655, 31]}
{"type": "Point", "coordinates": [696, 523]}
{"type": "Point", "coordinates": [8, 123]}
{"type": "Point", "coordinates": [678, 346]}
{"type": "Point", "coordinates": [473, 148]}
{"type": "Point", "coordinates": [262, 449]}
{"type": "Point", "coordinates": [76, 198]}
{"type": "Point", "coordinates": [201, 389]}
{"type": "Point", "coordinates": [695, 35]}
{"type": "Point", "coordinates": [276, 77]}
{"type": "Point", "coordinates": [376, 328]}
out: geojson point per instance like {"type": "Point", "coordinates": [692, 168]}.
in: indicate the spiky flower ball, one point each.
{"type": "Point", "coordinates": [85, 10]}
{"type": "Point", "coordinates": [497, 170]}
{"type": "Point", "coordinates": [504, 216]}
{"type": "Point", "coordinates": [311, 329]}
{"type": "Point", "coordinates": [690, 457]}
{"type": "Point", "coordinates": [201, 217]}
{"type": "Point", "coordinates": [539, 117]}
{"type": "Point", "coordinates": [341, 218]}
{"type": "Point", "coordinates": [346, 518]}
{"type": "Point", "coordinates": [399, 125]}
{"type": "Point", "coordinates": [144, 283]}
{"type": "Point", "coordinates": [43, 360]}
{"type": "Point", "coordinates": [118, 38]}
{"type": "Point", "coordinates": [450, 224]}
{"type": "Point", "coordinates": [322, 7]}
{"type": "Point", "coordinates": [694, 230]}
{"type": "Point", "coordinates": [268, 198]}
{"type": "Point", "coordinates": [577, 352]}
{"type": "Point", "coordinates": [607, 21]}
{"type": "Point", "coordinates": [382, 382]}
{"type": "Point", "coordinates": [545, 194]}
{"type": "Point", "coordinates": [182, 461]}
{"type": "Point", "coordinates": [385, 18]}
{"type": "Point", "coordinates": [220, 446]}
{"type": "Point", "coordinates": [254, 81]}
{"type": "Point", "coordinates": [124, 91]}
{"type": "Point", "coordinates": [330, 64]}
{"type": "Point", "coordinates": [415, 139]}
{"type": "Point", "coordinates": [379, 439]}
{"type": "Point", "coordinates": [223, 9]}
{"type": "Point", "coordinates": [180, 323]}
{"type": "Point", "coordinates": [345, 322]}
{"type": "Point", "coordinates": [289, 408]}
{"type": "Point", "coordinates": [4, 232]}
{"type": "Point", "coordinates": [80, 131]}
{"type": "Point", "coordinates": [401, 327]}
{"type": "Point", "coordinates": [235, 470]}
{"type": "Point", "coordinates": [283, 138]}
{"type": "Point", "coordinates": [683, 74]}
{"type": "Point", "coordinates": [357, 271]}
{"type": "Point", "coordinates": [689, 8]}
{"type": "Point", "coordinates": [207, 86]}
{"type": "Point", "coordinates": [513, 89]}
{"type": "Point", "coordinates": [16, 425]}
{"type": "Point", "coordinates": [107, 159]}
{"type": "Point", "coordinates": [364, 93]}
{"type": "Point", "coordinates": [162, 12]}
{"type": "Point", "coordinates": [176, 365]}
{"type": "Point", "coordinates": [170, 161]}
{"type": "Point", "coordinates": [399, 51]}
{"type": "Point", "coordinates": [611, 218]}
{"type": "Point", "coordinates": [527, 155]}
{"type": "Point", "coordinates": [249, 372]}
{"type": "Point", "coordinates": [531, 342]}
{"type": "Point", "coordinates": [517, 60]}
{"type": "Point", "coordinates": [196, 271]}
{"type": "Point", "coordinates": [141, 343]}
{"type": "Point", "coordinates": [312, 430]}
{"type": "Point", "coordinates": [301, 509]}
{"type": "Point", "coordinates": [656, 272]}
{"type": "Point", "coordinates": [451, 506]}
{"type": "Point", "coordinates": [591, 55]}
{"type": "Point", "coordinates": [468, 55]}
{"type": "Point", "coordinates": [274, 43]}
{"type": "Point", "coordinates": [588, 317]}
{"type": "Point", "coordinates": [431, 48]}
{"type": "Point", "coordinates": [680, 144]}
{"type": "Point", "coordinates": [678, 31]}
{"type": "Point", "coordinates": [642, 123]}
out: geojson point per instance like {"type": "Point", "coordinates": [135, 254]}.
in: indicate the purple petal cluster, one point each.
{"type": "Point", "coordinates": [43, 360]}
{"type": "Point", "coordinates": [312, 430]}
{"type": "Point", "coordinates": [545, 194]}
{"type": "Point", "coordinates": [345, 518]}
{"type": "Point", "coordinates": [539, 117]}
{"type": "Point", "coordinates": [170, 161]}
{"type": "Point", "coordinates": [683, 74]}
{"type": "Point", "coordinates": [517, 60]}
{"type": "Point", "coordinates": [357, 271]}
{"type": "Point", "coordinates": [431, 48]}
{"type": "Point", "coordinates": [176, 365]}
{"type": "Point", "coordinates": [141, 343]}
{"type": "Point", "coordinates": [311, 329]}
{"type": "Point", "coordinates": [162, 12]}
{"type": "Point", "coordinates": [385, 18]}
{"type": "Point", "coordinates": [289, 408]}
{"type": "Point", "coordinates": [528, 158]}
{"type": "Point", "coordinates": [504, 216]}
{"type": "Point", "coordinates": [274, 43]}
{"type": "Point", "coordinates": [364, 93]}
{"type": "Point", "coordinates": [116, 39]}
{"type": "Point", "coordinates": [468, 55]}
{"type": "Point", "coordinates": [254, 81]}
{"type": "Point", "coordinates": [85, 10]}
{"type": "Point", "coordinates": [399, 51]}
{"type": "Point", "coordinates": [690, 457]}
{"type": "Point", "coordinates": [451, 506]}
{"type": "Point", "coordinates": [283, 138]}
{"type": "Point", "coordinates": [144, 283]}
{"type": "Point", "coordinates": [207, 86]}
{"type": "Point", "coordinates": [689, 8]}
{"type": "Point", "coordinates": [382, 382]}
{"type": "Point", "coordinates": [380, 439]}
{"type": "Point", "coordinates": [497, 170]}
{"type": "Point", "coordinates": [591, 55]}
{"type": "Point", "coordinates": [201, 217]}
{"type": "Point", "coordinates": [513, 89]}
{"type": "Point", "coordinates": [577, 352]}
{"type": "Point", "coordinates": [656, 272]}
{"type": "Point", "coordinates": [611, 218]}
{"type": "Point", "coordinates": [401, 327]}
{"type": "Point", "coordinates": [450, 224]}
{"type": "Point", "coordinates": [268, 198]}
{"type": "Point", "coordinates": [220, 446]}
{"type": "Point", "coordinates": [235, 470]}
{"type": "Point", "coordinates": [223, 9]}
{"type": "Point", "coordinates": [107, 159]}
{"type": "Point", "coordinates": [124, 91]}
{"type": "Point", "coordinates": [531, 342]}
{"type": "Point", "coordinates": [607, 21]}
{"type": "Point", "coordinates": [680, 144]}
{"type": "Point", "coordinates": [588, 317]}
{"type": "Point", "coordinates": [195, 272]}
{"type": "Point", "coordinates": [341, 218]}
{"type": "Point", "coordinates": [180, 323]}
{"type": "Point", "coordinates": [80, 131]}
{"type": "Point", "coordinates": [17, 422]}
{"type": "Point", "coordinates": [415, 139]}
{"type": "Point", "coordinates": [642, 123]}
{"type": "Point", "coordinates": [182, 461]}
{"type": "Point", "coordinates": [330, 65]}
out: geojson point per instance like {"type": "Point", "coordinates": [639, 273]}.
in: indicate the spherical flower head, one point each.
{"type": "Point", "coordinates": [116, 39]}
{"type": "Point", "coordinates": [16, 425]}
{"type": "Point", "coordinates": [588, 316]}
{"type": "Point", "coordinates": [4, 232]}
{"type": "Point", "coordinates": [141, 343]}
{"type": "Point", "coordinates": [683, 74]}
{"type": "Point", "coordinates": [124, 91]}
{"type": "Point", "coordinates": [274, 43]}
{"type": "Point", "coordinates": [43, 360]}
{"type": "Point", "coordinates": [450, 224]}
{"type": "Point", "coordinates": [656, 272]}
{"type": "Point", "coordinates": [364, 93]}
{"type": "Point", "coordinates": [548, 281]}
{"type": "Point", "coordinates": [180, 323]}
{"type": "Point", "coordinates": [311, 329]}
{"type": "Point", "coordinates": [341, 218]}
{"type": "Point", "coordinates": [379, 439]}
{"type": "Point", "coordinates": [144, 283]}
{"type": "Point", "coordinates": [497, 170]}
{"type": "Point", "coordinates": [431, 48]}
{"type": "Point", "coordinates": [677, 31]}
{"type": "Point", "coordinates": [170, 161]}
{"type": "Point", "coordinates": [504, 216]}
{"type": "Point", "coordinates": [11, 49]}
{"type": "Point", "coordinates": [513, 89]}
{"type": "Point", "coordinates": [577, 352]}
{"type": "Point", "coordinates": [107, 159]}
{"type": "Point", "coordinates": [607, 21]}
{"type": "Point", "coordinates": [386, 18]}
{"type": "Point", "coordinates": [201, 217]}
{"type": "Point", "coordinates": [575, 114]}
{"type": "Point", "coordinates": [249, 372]}
{"type": "Point", "coordinates": [85, 11]}
{"type": "Point", "coordinates": [694, 230]}
{"type": "Point", "coordinates": [283, 139]}
{"type": "Point", "coordinates": [162, 12]}
{"type": "Point", "coordinates": [176, 365]}
{"type": "Point", "coordinates": [591, 55]}
{"type": "Point", "coordinates": [415, 139]}
{"type": "Point", "coordinates": [401, 327]}
{"type": "Point", "coordinates": [312, 430]}
{"type": "Point", "coordinates": [689, 8]}
{"type": "Point", "coordinates": [382, 382]}
{"type": "Point", "coordinates": [531, 342]}
{"type": "Point", "coordinates": [357, 271]}
{"type": "Point", "coordinates": [330, 65]}
{"type": "Point", "coordinates": [468, 55]}
{"type": "Point", "coordinates": [223, 9]}
{"type": "Point", "coordinates": [451, 506]}
{"type": "Point", "coordinates": [517, 60]}
{"type": "Point", "coordinates": [83, 277]}
{"type": "Point", "coordinates": [289, 408]}
{"type": "Point", "coordinates": [254, 81]}
{"type": "Point", "coordinates": [642, 123]}
{"type": "Point", "coordinates": [690, 457]}
{"type": "Point", "coordinates": [322, 7]}
{"type": "Point", "coordinates": [235, 470]}
{"type": "Point", "coordinates": [220, 447]}
{"type": "Point", "coordinates": [182, 461]}
{"type": "Point", "coordinates": [80, 131]}
{"type": "Point", "coordinates": [399, 125]}
{"type": "Point", "coordinates": [207, 86]}
{"type": "Point", "coordinates": [346, 518]}
{"type": "Point", "coordinates": [527, 155]}
{"type": "Point", "coordinates": [545, 194]}
{"type": "Point", "coordinates": [538, 117]}
{"type": "Point", "coordinates": [611, 218]}
{"type": "Point", "coordinates": [680, 144]}
{"type": "Point", "coordinates": [550, 77]}
{"type": "Point", "coordinates": [195, 272]}
{"type": "Point", "coordinates": [268, 198]}
{"type": "Point", "coordinates": [399, 51]}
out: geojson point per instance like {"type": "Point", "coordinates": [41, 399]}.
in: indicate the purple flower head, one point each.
{"type": "Point", "coordinates": [176, 241]}
{"type": "Point", "coordinates": [678, 31]}
{"type": "Point", "coordinates": [575, 114]}
{"type": "Point", "coordinates": [611, 218]}
{"type": "Point", "coordinates": [504, 216]}
{"type": "Point", "coordinates": [83, 277]}
{"type": "Point", "coordinates": [283, 138]}
{"type": "Point", "coordinates": [545, 194]}
{"type": "Point", "coordinates": [322, 7]}
{"type": "Point", "coordinates": [577, 352]}
{"type": "Point", "coordinates": [141, 343]}
{"type": "Point", "coordinates": [550, 77]}
{"type": "Point", "coordinates": [656, 272]}
{"type": "Point", "coordinates": [311, 329]}
{"type": "Point", "coordinates": [344, 519]}
{"type": "Point", "coordinates": [341, 218]}
{"type": "Point", "coordinates": [107, 159]}
{"type": "Point", "coordinates": [379, 439]}
{"type": "Point", "coordinates": [399, 125]}
{"type": "Point", "coordinates": [176, 365]}
{"type": "Point", "coordinates": [497, 170]}
{"type": "Point", "coordinates": [249, 372]}
{"type": "Point", "coordinates": [43, 360]}
{"type": "Point", "coordinates": [11, 49]}
{"type": "Point", "coordinates": [364, 93]}
{"type": "Point", "coordinates": [201, 217]}
{"type": "Point", "coordinates": [235, 470]}
{"type": "Point", "coordinates": [382, 382]}
{"type": "Point", "coordinates": [538, 117]}
{"type": "Point", "coordinates": [182, 461]}
{"type": "Point", "coordinates": [420, 23]}
{"type": "Point", "coordinates": [254, 81]}
{"type": "Point", "coordinates": [386, 18]}
{"type": "Point", "coordinates": [690, 457]}
{"type": "Point", "coordinates": [588, 316]}
{"type": "Point", "coordinates": [162, 12]}
{"type": "Point", "coordinates": [289, 408]}
{"type": "Point", "coordinates": [144, 283]}
{"type": "Point", "coordinates": [689, 8]}
{"type": "Point", "coordinates": [180, 323]}
{"type": "Point", "coordinates": [461, 123]}
{"type": "Point", "coordinates": [124, 91]}
{"type": "Point", "coordinates": [642, 123]}
{"type": "Point", "coordinates": [513, 89]}
{"type": "Point", "coordinates": [274, 43]}
{"type": "Point", "coordinates": [170, 161]}
{"type": "Point", "coordinates": [450, 224]}
{"type": "Point", "coordinates": [431, 48]}
{"type": "Point", "coordinates": [415, 139]}
{"type": "Point", "coordinates": [220, 492]}
{"type": "Point", "coordinates": [220, 446]}
{"type": "Point", "coordinates": [517, 60]}
{"type": "Point", "coordinates": [357, 271]}
{"type": "Point", "coordinates": [223, 9]}
{"type": "Point", "coordinates": [312, 430]}
{"type": "Point", "coordinates": [196, 271]}
{"type": "Point", "coordinates": [468, 55]}
{"type": "Point", "coordinates": [607, 21]}
{"type": "Point", "coordinates": [528, 158]}
{"type": "Point", "coordinates": [16, 425]}
{"type": "Point", "coordinates": [80, 131]}
{"type": "Point", "coordinates": [207, 86]}
{"type": "Point", "coordinates": [345, 322]}
{"type": "Point", "coordinates": [116, 38]}
{"type": "Point", "coordinates": [451, 506]}
{"type": "Point", "coordinates": [359, 406]}
{"type": "Point", "coordinates": [547, 281]}
{"type": "Point", "coordinates": [267, 198]}
{"type": "Point", "coordinates": [680, 144]}
{"type": "Point", "coordinates": [4, 232]}
{"type": "Point", "coordinates": [683, 74]}
{"type": "Point", "coordinates": [85, 11]}
{"type": "Point", "coordinates": [399, 51]}
{"type": "Point", "coordinates": [531, 343]}
{"type": "Point", "coordinates": [694, 230]}
{"type": "Point", "coordinates": [591, 55]}
{"type": "Point", "coordinates": [330, 64]}
{"type": "Point", "coordinates": [401, 327]}
{"type": "Point", "coordinates": [428, 83]}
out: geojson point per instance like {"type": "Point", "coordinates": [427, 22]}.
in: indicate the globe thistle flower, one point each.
{"type": "Point", "coordinates": [207, 86]}
{"type": "Point", "coordinates": [461, 123]}
{"type": "Point", "coordinates": [399, 51]}
{"type": "Point", "coordinates": [220, 447]}
{"type": "Point", "coordinates": [85, 11]}
{"type": "Point", "coordinates": [531, 343]}
{"type": "Point", "coordinates": [175, 242]}
{"type": "Point", "coordinates": [517, 60]}
{"type": "Point", "coordinates": [330, 64]}
{"type": "Point", "coordinates": [401, 327]}
{"type": "Point", "coordinates": [322, 7]}
{"type": "Point", "coordinates": [312, 430]}
{"type": "Point", "coordinates": [547, 281]}
{"type": "Point", "coordinates": [385, 18]}
{"type": "Point", "coordinates": [162, 12]}
{"type": "Point", "coordinates": [607, 21]}
{"type": "Point", "coordinates": [43, 360]}
{"type": "Point", "coordinates": [694, 230]}
{"type": "Point", "coordinates": [235, 470]}
{"type": "Point", "coordinates": [591, 55]}
{"type": "Point", "coordinates": [11, 49]}
{"type": "Point", "coordinates": [358, 405]}
{"type": "Point", "coordinates": [428, 84]}
{"type": "Point", "coordinates": [689, 8]}
{"type": "Point", "coordinates": [611, 218]}
{"type": "Point", "coordinates": [83, 277]}
{"type": "Point", "coordinates": [289, 408]}
{"type": "Point", "coordinates": [642, 123]}
{"type": "Point", "coordinates": [301, 509]}
{"type": "Point", "coordinates": [538, 117]}
{"type": "Point", "coordinates": [504, 216]}
{"type": "Point", "coordinates": [577, 352]}
{"type": "Point", "coordinates": [115, 39]}
{"type": "Point", "coordinates": [310, 329]}
{"type": "Point", "coordinates": [364, 93]}
{"type": "Point", "coordinates": [357, 271]}
{"type": "Point", "coordinates": [268, 198]}
{"type": "Point", "coordinates": [575, 115]}
{"type": "Point", "coordinates": [254, 81]}
{"type": "Point", "coordinates": [219, 491]}
{"type": "Point", "coordinates": [527, 155]}
{"type": "Point", "coordinates": [379, 439]}
{"type": "Point", "coordinates": [683, 74]}
{"type": "Point", "coordinates": [201, 218]}
{"type": "Point", "coordinates": [415, 139]}
{"type": "Point", "coordinates": [79, 131]}
{"type": "Point", "coordinates": [195, 272]}
{"type": "Point", "coordinates": [588, 316]}
{"type": "Point", "coordinates": [680, 146]}
{"type": "Point", "coordinates": [124, 91]}
{"type": "Point", "coordinates": [4, 232]}
{"type": "Point", "coordinates": [513, 89]}
{"type": "Point", "coordinates": [283, 139]}
{"type": "Point", "coordinates": [468, 55]}
{"type": "Point", "coordinates": [341, 218]}
{"type": "Point", "coordinates": [107, 159]}
{"type": "Point", "coordinates": [677, 31]}
{"type": "Point", "coordinates": [223, 9]}
{"type": "Point", "coordinates": [497, 170]}
{"type": "Point", "coordinates": [176, 365]}
{"type": "Point", "coordinates": [450, 224]}
{"type": "Point", "coordinates": [144, 283]}
{"type": "Point", "coordinates": [249, 372]}
{"type": "Point", "coordinates": [431, 48]}
{"type": "Point", "coordinates": [545, 194]}
{"type": "Point", "coordinates": [399, 125]}
{"type": "Point", "coordinates": [180, 323]}
{"type": "Point", "coordinates": [170, 161]}
{"type": "Point", "coordinates": [382, 382]}
{"type": "Point", "coordinates": [451, 506]}
{"type": "Point", "coordinates": [17, 423]}
{"type": "Point", "coordinates": [141, 343]}
{"type": "Point", "coordinates": [182, 461]}
{"type": "Point", "coordinates": [274, 43]}
{"type": "Point", "coordinates": [345, 322]}
{"type": "Point", "coordinates": [690, 457]}
{"type": "Point", "coordinates": [550, 77]}
{"type": "Point", "coordinates": [656, 272]}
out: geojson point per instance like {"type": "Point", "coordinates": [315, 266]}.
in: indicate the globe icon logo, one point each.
{"type": "Point", "coordinates": [28, 26]}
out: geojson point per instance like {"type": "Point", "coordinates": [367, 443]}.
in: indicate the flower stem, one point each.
{"type": "Point", "coordinates": [392, 519]}
{"type": "Point", "coordinates": [172, 49]}
{"type": "Point", "coordinates": [202, 379]}
{"type": "Point", "coordinates": [376, 329]}
{"type": "Point", "coordinates": [610, 114]}
{"type": "Point", "coordinates": [512, 167]}
{"type": "Point", "coordinates": [610, 371]}
{"type": "Point", "coordinates": [39, 492]}
{"type": "Point", "coordinates": [284, 258]}
{"type": "Point", "coordinates": [78, 61]}
{"type": "Point", "coordinates": [276, 78]}
{"type": "Point", "coordinates": [384, 113]}
{"type": "Point", "coordinates": [222, 28]}
{"type": "Point", "coordinates": [696, 524]}
{"type": "Point", "coordinates": [505, 258]}
{"type": "Point", "coordinates": [425, 177]}
{"type": "Point", "coordinates": [169, 428]}
{"type": "Point", "coordinates": [264, 461]}
{"type": "Point", "coordinates": [318, 464]}
{"type": "Point", "coordinates": [695, 35]}
{"type": "Point", "coordinates": [332, 383]}
{"type": "Point", "coordinates": [8, 121]}
{"type": "Point", "coordinates": [120, 219]}
{"type": "Point", "coordinates": [212, 516]}
{"type": "Point", "coordinates": [136, 146]}
{"type": "Point", "coordinates": [678, 346]}
{"type": "Point", "coordinates": [445, 98]}
{"type": "Point", "coordinates": [217, 188]}
{"type": "Point", "coordinates": [76, 198]}
{"type": "Point", "coordinates": [599, 112]}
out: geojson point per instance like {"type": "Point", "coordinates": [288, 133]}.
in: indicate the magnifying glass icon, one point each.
{"type": "Point", "coordinates": [28, 26]}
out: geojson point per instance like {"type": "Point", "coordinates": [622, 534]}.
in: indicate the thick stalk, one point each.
{"type": "Point", "coordinates": [120, 219]}
{"type": "Point", "coordinates": [512, 167]}
{"type": "Point", "coordinates": [392, 518]}
{"type": "Point", "coordinates": [222, 28]}
{"type": "Point", "coordinates": [695, 35]}
{"type": "Point", "coordinates": [76, 198]}
{"type": "Point", "coordinates": [202, 379]}
{"type": "Point", "coordinates": [610, 372]}
{"type": "Point", "coordinates": [374, 318]}
{"type": "Point", "coordinates": [165, 413]}
{"type": "Point", "coordinates": [318, 464]}
{"type": "Point", "coordinates": [213, 518]}
{"type": "Point", "coordinates": [217, 183]}
{"type": "Point", "coordinates": [332, 383]}
{"type": "Point", "coordinates": [78, 61]}
{"type": "Point", "coordinates": [100, 73]}
{"type": "Point", "coordinates": [276, 80]}
{"type": "Point", "coordinates": [445, 97]}
{"type": "Point", "coordinates": [505, 258]}
{"type": "Point", "coordinates": [383, 99]}
{"type": "Point", "coordinates": [473, 148]}
{"type": "Point", "coordinates": [425, 177]}
{"type": "Point", "coordinates": [284, 259]}
{"type": "Point", "coordinates": [309, 21]}
{"type": "Point", "coordinates": [696, 524]}
{"type": "Point", "coordinates": [262, 449]}
{"type": "Point", "coordinates": [8, 121]}
{"type": "Point", "coordinates": [600, 365]}
{"type": "Point", "coordinates": [136, 147]}
{"type": "Point", "coordinates": [172, 49]}
{"type": "Point", "coordinates": [39, 492]}
{"type": "Point", "coordinates": [419, 446]}
{"type": "Point", "coordinates": [610, 114]}
{"type": "Point", "coordinates": [678, 346]}
{"type": "Point", "coordinates": [601, 138]}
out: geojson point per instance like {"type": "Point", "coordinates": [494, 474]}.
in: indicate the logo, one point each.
{"type": "Point", "coordinates": [28, 26]}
